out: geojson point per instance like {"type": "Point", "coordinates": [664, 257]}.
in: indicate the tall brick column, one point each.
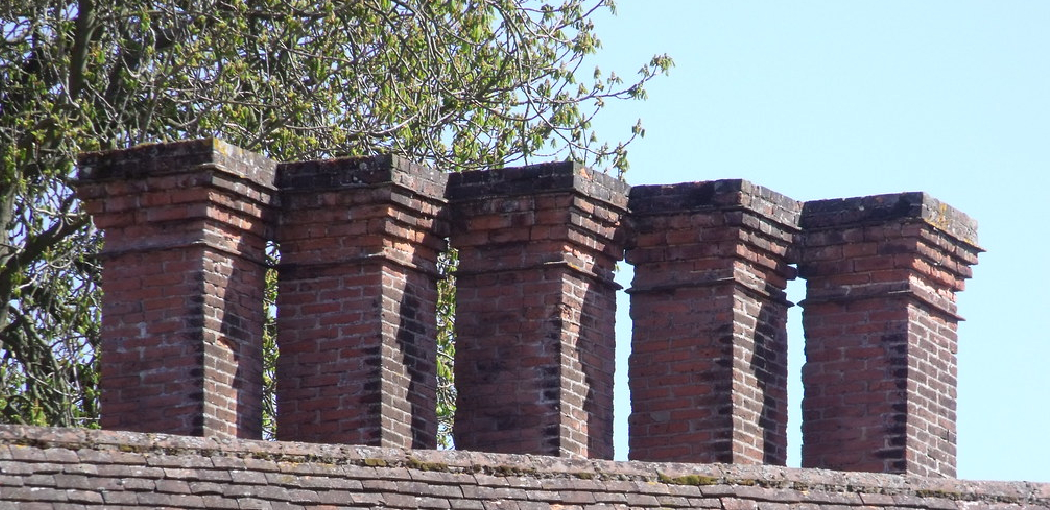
{"type": "Point", "coordinates": [708, 367]}
{"type": "Point", "coordinates": [359, 240]}
{"type": "Point", "coordinates": [182, 280]}
{"type": "Point", "coordinates": [536, 308]}
{"type": "Point", "coordinates": [880, 321]}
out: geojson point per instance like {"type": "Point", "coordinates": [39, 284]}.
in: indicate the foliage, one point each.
{"type": "Point", "coordinates": [446, 321]}
{"type": "Point", "coordinates": [270, 351]}
{"type": "Point", "coordinates": [461, 84]}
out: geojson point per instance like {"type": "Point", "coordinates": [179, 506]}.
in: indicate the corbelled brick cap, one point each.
{"type": "Point", "coordinates": [533, 179]}
{"type": "Point", "coordinates": [536, 308]}
{"type": "Point", "coordinates": [722, 194]}
{"type": "Point", "coordinates": [498, 202]}
{"type": "Point", "coordinates": [880, 320]}
{"type": "Point", "coordinates": [185, 227]}
{"type": "Point", "coordinates": [170, 158]}
{"type": "Point", "coordinates": [878, 209]}
{"type": "Point", "coordinates": [708, 369]}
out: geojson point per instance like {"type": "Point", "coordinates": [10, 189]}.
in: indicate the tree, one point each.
{"type": "Point", "coordinates": [460, 84]}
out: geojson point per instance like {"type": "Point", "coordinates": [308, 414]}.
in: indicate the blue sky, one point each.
{"type": "Point", "coordinates": [825, 99]}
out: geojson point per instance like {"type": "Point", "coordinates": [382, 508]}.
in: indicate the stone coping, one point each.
{"type": "Point", "coordinates": [756, 482]}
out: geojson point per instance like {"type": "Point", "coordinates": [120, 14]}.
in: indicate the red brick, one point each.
{"type": "Point", "coordinates": [346, 292]}
{"type": "Point", "coordinates": [160, 271]}
{"type": "Point", "coordinates": [534, 320]}
{"type": "Point", "coordinates": [869, 314]}
{"type": "Point", "coordinates": [686, 337]}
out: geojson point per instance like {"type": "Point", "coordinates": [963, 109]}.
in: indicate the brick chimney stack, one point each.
{"type": "Point", "coordinates": [536, 308]}
{"type": "Point", "coordinates": [880, 320]}
{"type": "Point", "coordinates": [356, 319]}
{"type": "Point", "coordinates": [708, 368]}
{"type": "Point", "coordinates": [185, 226]}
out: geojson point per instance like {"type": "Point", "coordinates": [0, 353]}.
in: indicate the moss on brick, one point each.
{"type": "Point", "coordinates": [131, 448]}
{"type": "Point", "coordinates": [505, 470]}
{"type": "Point", "coordinates": [440, 467]}
{"type": "Point", "coordinates": [689, 480]}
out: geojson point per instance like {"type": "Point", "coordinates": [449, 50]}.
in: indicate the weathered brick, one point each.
{"type": "Point", "coordinates": [216, 502]}
{"type": "Point", "coordinates": [535, 307]}
{"type": "Point", "coordinates": [193, 235]}
{"type": "Point", "coordinates": [365, 498]}
{"type": "Point", "coordinates": [249, 503]}
{"type": "Point", "coordinates": [11, 480]}
{"type": "Point", "coordinates": [709, 311]}
{"type": "Point", "coordinates": [248, 477]}
{"type": "Point", "coordinates": [376, 383]}
{"type": "Point", "coordinates": [26, 453]}
{"type": "Point", "coordinates": [83, 496]}
{"type": "Point", "coordinates": [881, 332]}
{"type": "Point", "coordinates": [642, 500]}
{"type": "Point", "coordinates": [120, 498]}
{"type": "Point", "coordinates": [611, 484]}
{"type": "Point", "coordinates": [467, 504]}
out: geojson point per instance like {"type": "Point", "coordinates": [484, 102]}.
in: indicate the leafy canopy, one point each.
{"type": "Point", "coordinates": [460, 84]}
